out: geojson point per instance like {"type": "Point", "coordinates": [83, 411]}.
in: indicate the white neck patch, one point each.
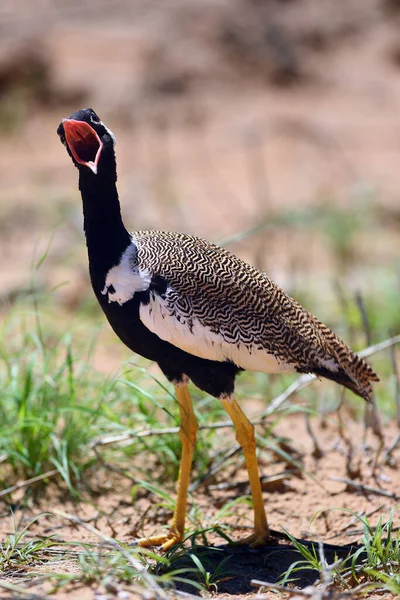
{"type": "Point", "coordinates": [125, 279]}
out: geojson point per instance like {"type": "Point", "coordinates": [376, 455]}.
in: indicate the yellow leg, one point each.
{"type": "Point", "coordinates": [245, 437]}
{"type": "Point", "coordinates": [187, 433]}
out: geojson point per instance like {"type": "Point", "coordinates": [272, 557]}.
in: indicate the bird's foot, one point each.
{"type": "Point", "coordinates": [166, 541]}
{"type": "Point", "coordinates": [257, 539]}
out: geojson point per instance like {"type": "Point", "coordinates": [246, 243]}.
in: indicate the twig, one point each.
{"type": "Point", "coordinates": [379, 347]}
{"type": "Point", "coordinates": [113, 468]}
{"type": "Point", "coordinates": [301, 382]}
{"type": "Point", "coordinates": [126, 437]}
{"type": "Point", "coordinates": [320, 590]}
{"type": "Point", "coordinates": [305, 593]}
{"type": "Point", "coordinates": [397, 384]}
{"type": "Point", "coordinates": [377, 455]}
{"type": "Point", "coordinates": [265, 480]}
{"type": "Point", "coordinates": [372, 420]}
{"type": "Point", "coordinates": [352, 471]}
{"type": "Point", "coordinates": [28, 482]}
{"type": "Point", "coordinates": [392, 446]}
{"type": "Point", "coordinates": [356, 532]}
{"type": "Point", "coordinates": [215, 468]}
{"type": "Point", "coordinates": [347, 528]}
{"type": "Point", "coordinates": [109, 540]}
{"type": "Point", "coordinates": [16, 589]}
{"type": "Point", "coordinates": [371, 416]}
{"type": "Point", "coordinates": [356, 518]}
{"type": "Point", "coordinates": [365, 488]}
{"type": "Point", "coordinates": [317, 452]}
{"type": "Point", "coordinates": [364, 317]}
{"type": "Point", "coordinates": [306, 380]}
{"type": "Point", "coordinates": [310, 591]}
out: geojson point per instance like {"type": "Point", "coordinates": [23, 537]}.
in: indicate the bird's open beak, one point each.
{"type": "Point", "coordinates": [84, 143]}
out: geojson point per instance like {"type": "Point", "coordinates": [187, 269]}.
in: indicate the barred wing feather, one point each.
{"type": "Point", "coordinates": [217, 306]}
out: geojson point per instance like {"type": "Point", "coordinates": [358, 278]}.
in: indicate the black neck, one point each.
{"type": "Point", "coordinates": [106, 236]}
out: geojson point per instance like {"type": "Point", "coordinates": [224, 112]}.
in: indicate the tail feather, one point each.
{"type": "Point", "coordinates": [358, 372]}
{"type": "Point", "coordinates": [360, 386]}
{"type": "Point", "coordinates": [341, 364]}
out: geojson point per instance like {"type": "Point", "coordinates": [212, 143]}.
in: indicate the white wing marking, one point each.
{"type": "Point", "coordinates": [126, 279]}
{"type": "Point", "coordinates": [202, 342]}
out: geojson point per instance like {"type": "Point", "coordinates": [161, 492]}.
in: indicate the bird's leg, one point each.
{"type": "Point", "coordinates": [245, 437]}
{"type": "Point", "coordinates": [187, 433]}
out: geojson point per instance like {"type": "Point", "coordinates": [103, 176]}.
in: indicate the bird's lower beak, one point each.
{"type": "Point", "coordinates": [84, 143]}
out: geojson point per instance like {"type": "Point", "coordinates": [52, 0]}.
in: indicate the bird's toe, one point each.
{"type": "Point", "coordinates": [257, 539]}
{"type": "Point", "coordinates": [166, 541]}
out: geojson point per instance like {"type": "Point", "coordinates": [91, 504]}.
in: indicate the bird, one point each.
{"type": "Point", "coordinates": [197, 310]}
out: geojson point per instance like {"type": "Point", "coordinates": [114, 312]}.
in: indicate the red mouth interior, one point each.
{"type": "Point", "coordinates": [83, 141]}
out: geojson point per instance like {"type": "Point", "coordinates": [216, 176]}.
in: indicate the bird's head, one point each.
{"type": "Point", "coordinates": [86, 138]}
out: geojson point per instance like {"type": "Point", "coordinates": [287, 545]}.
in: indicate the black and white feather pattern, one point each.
{"type": "Point", "coordinates": [214, 305]}
{"type": "Point", "coordinates": [192, 307]}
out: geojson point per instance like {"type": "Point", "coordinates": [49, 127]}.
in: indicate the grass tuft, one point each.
{"type": "Point", "coordinates": [376, 561]}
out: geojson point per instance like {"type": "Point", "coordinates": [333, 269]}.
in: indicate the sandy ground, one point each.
{"type": "Point", "coordinates": [310, 503]}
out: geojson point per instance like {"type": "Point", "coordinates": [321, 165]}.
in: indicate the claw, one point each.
{"type": "Point", "coordinates": [166, 541]}
{"type": "Point", "coordinates": [257, 539]}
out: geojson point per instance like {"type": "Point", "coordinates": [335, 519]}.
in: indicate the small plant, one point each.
{"type": "Point", "coordinates": [375, 564]}
{"type": "Point", "coordinates": [209, 579]}
{"type": "Point", "coordinates": [15, 552]}
{"type": "Point", "coordinates": [199, 566]}
{"type": "Point", "coordinates": [314, 560]}
{"type": "Point", "coordinates": [44, 422]}
{"type": "Point", "coordinates": [379, 552]}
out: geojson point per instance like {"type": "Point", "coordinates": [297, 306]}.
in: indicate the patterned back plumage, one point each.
{"type": "Point", "coordinates": [240, 303]}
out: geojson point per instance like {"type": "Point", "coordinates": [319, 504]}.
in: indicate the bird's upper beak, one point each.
{"type": "Point", "coordinates": [84, 143]}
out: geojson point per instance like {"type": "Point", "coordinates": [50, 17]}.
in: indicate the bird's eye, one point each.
{"type": "Point", "coordinates": [93, 120]}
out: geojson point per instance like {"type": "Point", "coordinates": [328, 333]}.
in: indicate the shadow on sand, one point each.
{"type": "Point", "coordinates": [232, 568]}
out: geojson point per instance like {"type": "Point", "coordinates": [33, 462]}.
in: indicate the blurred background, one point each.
{"type": "Point", "coordinates": [271, 126]}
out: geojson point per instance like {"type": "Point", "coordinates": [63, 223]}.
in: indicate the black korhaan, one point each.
{"type": "Point", "coordinates": [197, 310]}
